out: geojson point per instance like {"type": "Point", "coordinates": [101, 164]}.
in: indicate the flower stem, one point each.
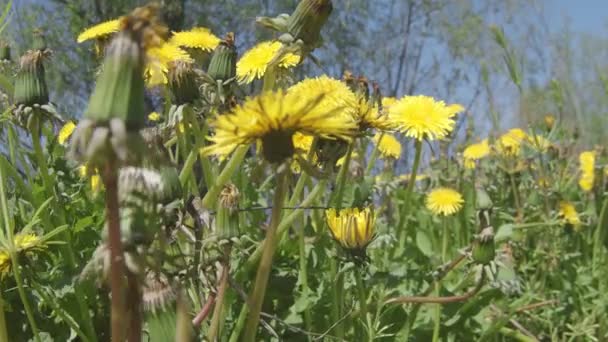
{"type": "Point", "coordinates": [361, 293]}
{"type": "Point", "coordinates": [304, 274]}
{"type": "Point", "coordinates": [214, 328]}
{"type": "Point", "coordinates": [374, 156]}
{"type": "Point", "coordinates": [270, 242]}
{"type": "Point", "coordinates": [117, 271]}
{"type": "Point", "coordinates": [402, 233]}
{"type": "Point", "coordinates": [337, 200]}
{"type": "Point", "coordinates": [3, 331]}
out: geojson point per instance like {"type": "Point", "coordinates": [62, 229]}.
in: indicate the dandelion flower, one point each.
{"type": "Point", "coordinates": [25, 242]}
{"type": "Point", "coordinates": [158, 60]}
{"type": "Point", "coordinates": [196, 38]}
{"type": "Point", "coordinates": [422, 117]}
{"type": "Point", "coordinates": [475, 152]}
{"type": "Point", "coordinates": [388, 101]}
{"type": "Point", "coordinates": [352, 228]}
{"type": "Point", "coordinates": [444, 201]}
{"type": "Point", "coordinates": [273, 118]}
{"type": "Point", "coordinates": [568, 212]}
{"type": "Point", "coordinates": [66, 132]}
{"type": "Point", "coordinates": [549, 121]}
{"type": "Point", "coordinates": [388, 145]}
{"type": "Point", "coordinates": [254, 62]}
{"type": "Point", "coordinates": [98, 31]}
{"type": "Point", "coordinates": [95, 179]}
{"type": "Point", "coordinates": [353, 155]}
{"type": "Point", "coordinates": [5, 264]}
{"type": "Point", "coordinates": [587, 170]}
{"type": "Point", "coordinates": [538, 142]}
{"type": "Point", "coordinates": [154, 116]}
{"type": "Point", "coordinates": [334, 95]}
{"type": "Point", "coordinates": [302, 142]}
{"type": "Point", "coordinates": [509, 143]}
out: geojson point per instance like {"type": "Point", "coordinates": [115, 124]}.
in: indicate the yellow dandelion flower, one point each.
{"type": "Point", "coordinates": [388, 101]}
{"type": "Point", "coordinates": [423, 117]}
{"type": "Point", "coordinates": [333, 95]}
{"type": "Point", "coordinates": [95, 179]}
{"type": "Point", "coordinates": [154, 116]}
{"type": "Point", "coordinates": [302, 142]}
{"type": "Point", "coordinates": [587, 170]}
{"type": "Point", "coordinates": [158, 59]}
{"type": "Point", "coordinates": [5, 264]}
{"type": "Point", "coordinates": [196, 38]}
{"type": "Point", "coordinates": [509, 143]}
{"type": "Point", "coordinates": [475, 152]}
{"type": "Point", "coordinates": [254, 62]}
{"type": "Point", "coordinates": [66, 132]}
{"type": "Point", "coordinates": [389, 146]}
{"type": "Point", "coordinates": [273, 118]}
{"type": "Point", "coordinates": [549, 121]}
{"type": "Point", "coordinates": [352, 228]}
{"type": "Point", "coordinates": [101, 30]}
{"type": "Point", "coordinates": [568, 212]}
{"type": "Point", "coordinates": [25, 242]}
{"type": "Point", "coordinates": [444, 201]}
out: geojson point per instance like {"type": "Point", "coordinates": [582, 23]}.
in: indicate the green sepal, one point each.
{"type": "Point", "coordinates": [308, 19]}
{"type": "Point", "coordinates": [30, 84]}
{"type": "Point", "coordinates": [119, 92]}
{"type": "Point", "coordinates": [223, 61]}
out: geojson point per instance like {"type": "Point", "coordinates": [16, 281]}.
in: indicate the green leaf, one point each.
{"type": "Point", "coordinates": [424, 243]}
{"type": "Point", "coordinates": [504, 233]}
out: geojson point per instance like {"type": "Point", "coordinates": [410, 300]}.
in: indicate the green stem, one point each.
{"type": "Point", "coordinates": [3, 331]}
{"type": "Point", "coordinates": [214, 328]}
{"type": "Point", "coordinates": [374, 156]}
{"type": "Point", "coordinates": [515, 194]}
{"type": "Point", "coordinates": [444, 249]}
{"type": "Point", "coordinates": [336, 295]}
{"type": "Point", "coordinates": [240, 323]}
{"type": "Point", "coordinates": [437, 316]}
{"type": "Point", "coordinates": [337, 199]}
{"type": "Point", "coordinates": [362, 294]}
{"type": "Point", "coordinates": [516, 335]}
{"type": "Point", "coordinates": [199, 137]}
{"type": "Point", "coordinates": [41, 159]}
{"type": "Point", "coordinates": [599, 236]}
{"type": "Point", "coordinates": [270, 243]}
{"type": "Point", "coordinates": [304, 274]}
{"type": "Point", "coordinates": [235, 161]}
{"type": "Point", "coordinates": [402, 233]}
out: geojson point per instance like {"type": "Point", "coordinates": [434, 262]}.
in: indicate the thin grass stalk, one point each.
{"type": "Point", "coordinates": [117, 271]}
{"type": "Point", "coordinates": [8, 226]}
{"type": "Point", "coordinates": [270, 243]}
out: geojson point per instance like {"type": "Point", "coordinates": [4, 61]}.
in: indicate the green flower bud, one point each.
{"type": "Point", "coordinates": [119, 92]}
{"type": "Point", "coordinates": [223, 62]}
{"type": "Point", "coordinates": [484, 249]}
{"type": "Point", "coordinates": [30, 85]}
{"type": "Point", "coordinates": [39, 40]}
{"type": "Point", "coordinates": [307, 20]}
{"type": "Point", "coordinates": [227, 217]}
{"type": "Point", "coordinates": [5, 52]}
{"type": "Point", "coordinates": [182, 83]}
{"type": "Point", "coordinates": [484, 207]}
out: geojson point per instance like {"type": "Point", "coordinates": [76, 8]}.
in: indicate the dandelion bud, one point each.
{"type": "Point", "coordinates": [352, 228]}
{"type": "Point", "coordinates": [30, 85]}
{"type": "Point", "coordinates": [484, 250]}
{"type": "Point", "coordinates": [223, 62]}
{"type": "Point", "coordinates": [5, 52]}
{"type": "Point", "coordinates": [39, 40]}
{"type": "Point", "coordinates": [227, 223]}
{"type": "Point", "coordinates": [549, 122]}
{"type": "Point", "coordinates": [306, 21]}
{"type": "Point", "coordinates": [484, 207]}
{"type": "Point", "coordinates": [119, 92]}
{"type": "Point", "coordinates": [182, 82]}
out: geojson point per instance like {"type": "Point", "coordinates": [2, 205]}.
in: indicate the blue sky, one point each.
{"type": "Point", "coordinates": [583, 16]}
